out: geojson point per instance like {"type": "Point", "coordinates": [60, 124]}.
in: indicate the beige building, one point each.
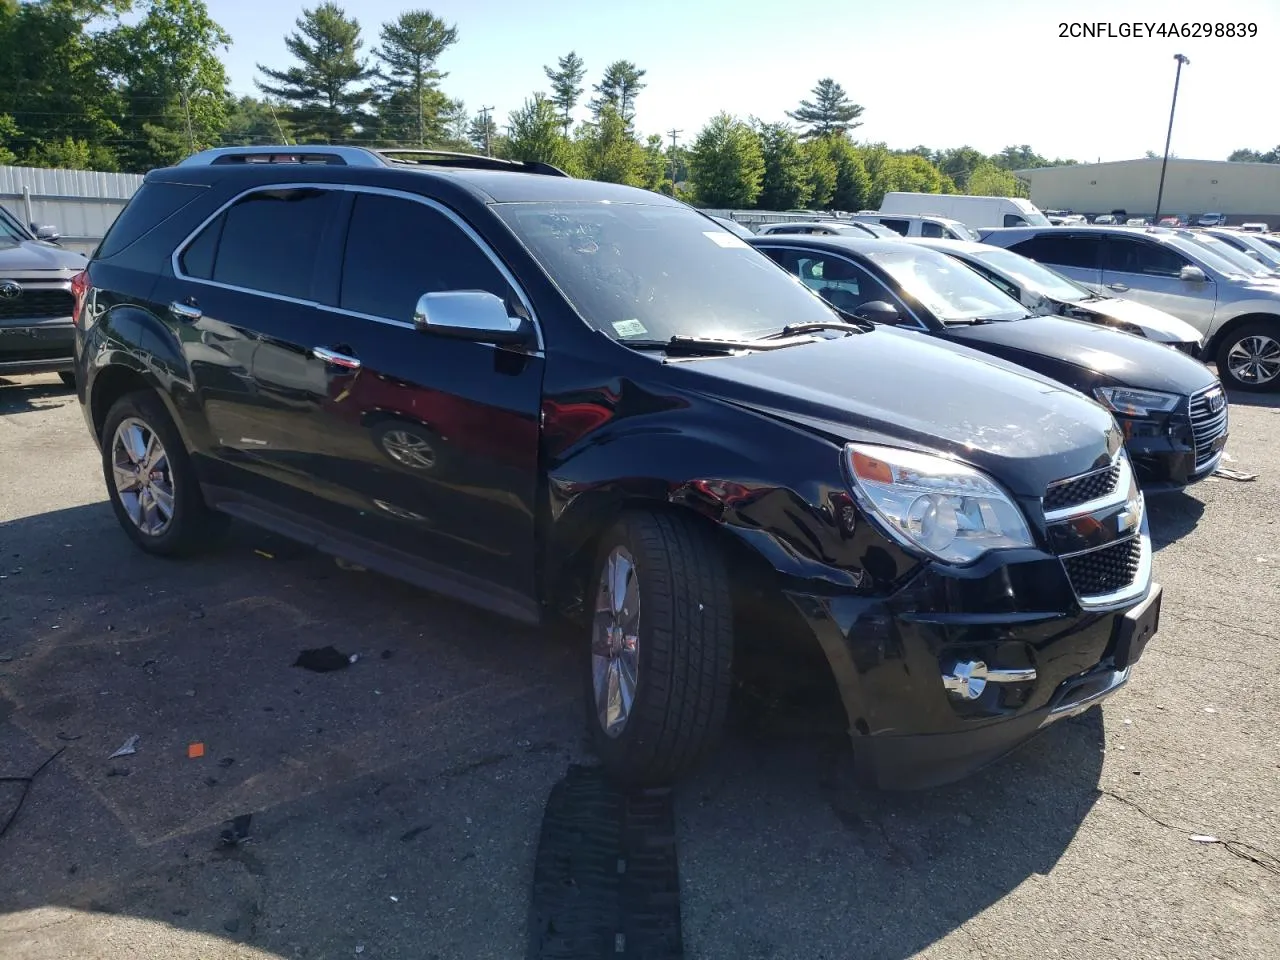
{"type": "Point", "coordinates": [1243, 191]}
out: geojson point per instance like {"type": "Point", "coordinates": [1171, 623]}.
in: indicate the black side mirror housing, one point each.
{"type": "Point", "coordinates": [879, 311]}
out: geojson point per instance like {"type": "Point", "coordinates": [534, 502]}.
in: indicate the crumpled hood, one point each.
{"type": "Point", "coordinates": [1157, 324]}
{"type": "Point", "coordinates": [910, 390]}
{"type": "Point", "coordinates": [1082, 354]}
{"type": "Point", "coordinates": [27, 255]}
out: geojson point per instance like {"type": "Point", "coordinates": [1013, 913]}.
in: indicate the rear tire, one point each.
{"type": "Point", "coordinates": [1249, 357]}
{"type": "Point", "coordinates": [151, 482]}
{"type": "Point", "coordinates": [670, 587]}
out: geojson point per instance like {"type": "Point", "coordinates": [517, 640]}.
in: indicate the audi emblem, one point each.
{"type": "Point", "coordinates": [1216, 400]}
{"type": "Point", "coordinates": [10, 290]}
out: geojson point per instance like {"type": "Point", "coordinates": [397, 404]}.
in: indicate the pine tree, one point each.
{"type": "Point", "coordinates": [410, 46]}
{"type": "Point", "coordinates": [830, 113]}
{"type": "Point", "coordinates": [566, 85]}
{"type": "Point", "coordinates": [618, 88]}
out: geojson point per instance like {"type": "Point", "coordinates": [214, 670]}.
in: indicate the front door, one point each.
{"type": "Point", "coordinates": [1149, 273]}
{"type": "Point", "coordinates": [434, 439]}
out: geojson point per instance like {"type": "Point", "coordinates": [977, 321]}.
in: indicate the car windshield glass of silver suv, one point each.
{"type": "Point", "coordinates": [1210, 257]}
{"type": "Point", "coordinates": [948, 289]}
{"type": "Point", "coordinates": [1035, 276]}
{"type": "Point", "coordinates": [646, 272]}
{"type": "Point", "coordinates": [1244, 263]}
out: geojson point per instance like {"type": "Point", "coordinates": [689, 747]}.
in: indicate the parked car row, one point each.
{"type": "Point", "coordinates": [544, 395]}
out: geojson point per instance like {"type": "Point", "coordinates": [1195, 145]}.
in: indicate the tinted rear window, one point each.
{"type": "Point", "coordinates": [270, 240]}
{"type": "Point", "coordinates": [1077, 251]}
{"type": "Point", "coordinates": [154, 203]}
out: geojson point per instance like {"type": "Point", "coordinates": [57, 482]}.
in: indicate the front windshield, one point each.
{"type": "Point", "coordinates": [651, 272]}
{"type": "Point", "coordinates": [1033, 276]}
{"type": "Point", "coordinates": [947, 288]}
{"type": "Point", "coordinates": [966, 233]}
{"type": "Point", "coordinates": [1243, 262]}
{"type": "Point", "coordinates": [1209, 257]}
{"type": "Point", "coordinates": [9, 229]}
{"type": "Point", "coordinates": [1270, 256]}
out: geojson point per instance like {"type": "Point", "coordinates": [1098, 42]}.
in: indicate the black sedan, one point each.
{"type": "Point", "coordinates": [1172, 408]}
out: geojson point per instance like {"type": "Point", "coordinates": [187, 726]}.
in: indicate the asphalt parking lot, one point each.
{"type": "Point", "coordinates": [396, 804]}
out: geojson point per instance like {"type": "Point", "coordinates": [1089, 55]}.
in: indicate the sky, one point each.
{"type": "Point", "coordinates": [988, 73]}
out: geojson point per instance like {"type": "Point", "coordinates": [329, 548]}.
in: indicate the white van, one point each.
{"type": "Point", "coordinates": [980, 213]}
{"type": "Point", "coordinates": [939, 228]}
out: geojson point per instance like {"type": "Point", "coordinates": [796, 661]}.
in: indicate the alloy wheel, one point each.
{"type": "Point", "coordinates": [615, 641]}
{"type": "Point", "coordinates": [143, 477]}
{"type": "Point", "coordinates": [1254, 359]}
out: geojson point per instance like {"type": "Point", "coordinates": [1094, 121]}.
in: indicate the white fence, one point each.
{"type": "Point", "coordinates": [80, 203]}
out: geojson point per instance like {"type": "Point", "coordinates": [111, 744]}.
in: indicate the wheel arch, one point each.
{"type": "Point", "coordinates": [1215, 341]}
{"type": "Point", "coordinates": [119, 378]}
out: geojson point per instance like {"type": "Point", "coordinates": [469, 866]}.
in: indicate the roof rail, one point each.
{"type": "Point", "coordinates": [473, 161]}
{"type": "Point", "coordinates": [322, 153]}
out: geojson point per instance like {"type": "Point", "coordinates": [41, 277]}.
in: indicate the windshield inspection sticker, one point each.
{"type": "Point", "coordinates": [629, 328]}
{"type": "Point", "coordinates": [725, 239]}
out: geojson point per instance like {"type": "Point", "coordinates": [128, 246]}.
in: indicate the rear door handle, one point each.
{"type": "Point", "coordinates": [333, 358]}
{"type": "Point", "coordinates": [185, 311]}
{"type": "Point", "coordinates": [1117, 286]}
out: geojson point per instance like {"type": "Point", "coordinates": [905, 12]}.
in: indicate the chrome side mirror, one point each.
{"type": "Point", "coordinates": [470, 315]}
{"type": "Point", "coordinates": [46, 232]}
{"type": "Point", "coordinates": [1192, 274]}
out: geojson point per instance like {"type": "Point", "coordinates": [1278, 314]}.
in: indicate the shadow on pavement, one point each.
{"type": "Point", "coordinates": [25, 394]}
{"type": "Point", "coordinates": [1173, 516]}
{"type": "Point", "coordinates": [394, 803]}
{"type": "Point", "coordinates": [805, 867]}
{"type": "Point", "coordinates": [1244, 398]}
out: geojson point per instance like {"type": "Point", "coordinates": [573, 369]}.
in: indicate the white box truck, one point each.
{"type": "Point", "coordinates": [976, 212]}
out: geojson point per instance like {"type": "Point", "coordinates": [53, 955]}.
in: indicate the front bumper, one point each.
{"type": "Point", "coordinates": [38, 347]}
{"type": "Point", "coordinates": [892, 659]}
{"type": "Point", "coordinates": [1163, 452]}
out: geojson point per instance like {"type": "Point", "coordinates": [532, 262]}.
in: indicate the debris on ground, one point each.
{"type": "Point", "coordinates": [195, 751]}
{"type": "Point", "coordinates": [26, 782]}
{"type": "Point", "coordinates": [324, 660]}
{"type": "Point", "coordinates": [69, 737]}
{"type": "Point", "coordinates": [263, 553]}
{"type": "Point", "coordinates": [1203, 838]}
{"type": "Point", "coordinates": [348, 565]}
{"type": "Point", "coordinates": [236, 830]}
{"type": "Point", "coordinates": [1231, 474]}
{"type": "Point", "coordinates": [128, 748]}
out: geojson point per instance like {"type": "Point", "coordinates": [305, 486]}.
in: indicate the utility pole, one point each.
{"type": "Point", "coordinates": [484, 120]}
{"type": "Point", "coordinates": [673, 134]}
{"type": "Point", "coordinates": [1169, 136]}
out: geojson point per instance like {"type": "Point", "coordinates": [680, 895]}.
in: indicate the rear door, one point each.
{"type": "Point", "coordinates": [433, 440]}
{"type": "Point", "coordinates": [1078, 255]}
{"type": "Point", "coordinates": [1138, 269]}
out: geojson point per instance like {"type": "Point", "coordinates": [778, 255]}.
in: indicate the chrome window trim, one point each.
{"type": "Point", "coordinates": [919, 324]}
{"type": "Point", "coordinates": [1120, 494]}
{"type": "Point", "coordinates": [429, 202]}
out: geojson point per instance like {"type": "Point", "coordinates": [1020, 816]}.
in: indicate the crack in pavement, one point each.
{"type": "Point", "coordinates": [1238, 848]}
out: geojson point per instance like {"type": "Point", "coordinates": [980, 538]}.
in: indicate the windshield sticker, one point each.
{"type": "Point", "coordinates": [725, 239]}
{"type": "Point", "coordinates": [629, 328]}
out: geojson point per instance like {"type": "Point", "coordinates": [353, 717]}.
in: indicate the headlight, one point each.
{"type": "Point", "coordinates": [947, 509]}
{"type": "Point", "coordinates": [1136, 403]}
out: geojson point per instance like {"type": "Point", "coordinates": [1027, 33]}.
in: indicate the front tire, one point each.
{"type": "Point", "coordinates": [151, 482]}
{"type": "Point", "coordinates": [1249, 357]}
{"type": "Point", "coordinates": [659, 666]}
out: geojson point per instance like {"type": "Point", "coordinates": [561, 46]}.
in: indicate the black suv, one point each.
{"type": "Point", "coordinates": [541, 394]}
{"type": "Point", "coordinates": [36, 296]}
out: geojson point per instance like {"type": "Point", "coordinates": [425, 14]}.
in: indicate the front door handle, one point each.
{"type": "Point", "coordinates": [1117, 286]}
{"type": "Point", "coordinates": [185, 311]}
{"type": "Point", "coordinates": [333, 358]}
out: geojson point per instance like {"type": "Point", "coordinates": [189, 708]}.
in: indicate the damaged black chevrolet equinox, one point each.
{"type": "Point", "coordinates": [542, 394]}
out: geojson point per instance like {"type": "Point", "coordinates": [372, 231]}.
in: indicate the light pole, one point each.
{"type": "Point", "coordinates": [1169, 136]}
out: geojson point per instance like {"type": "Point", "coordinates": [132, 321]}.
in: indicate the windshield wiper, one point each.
{"type": "Point", "coordinates": [689, 346]}
{"type": "Point", "coordinates": [798, 329]}
{"type": "Point", "coordinates": [972, 321]}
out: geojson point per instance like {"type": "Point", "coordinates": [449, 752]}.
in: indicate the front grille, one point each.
{"type": "Point", "coordinates": [1206, 424]}
{"type": "Point", "coordinates": [1104, 571]}
{"type": "Point", "coordinates": [36, 305]}
{"type": "Point", "coordinates": [1091, 486]}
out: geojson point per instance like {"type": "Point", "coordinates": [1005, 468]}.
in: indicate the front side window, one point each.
{"type": "Point", "coordinates": [266, 242]}
{"type": "Point", "coordinates": [1070, 251]}
{"type": "Point", "coordinates": [928, 228]}
{"type": "Point", "coordinates": [900, 227]}
{"type": "Point", "coordinates": [1127, 255]}
{"type": "Point", "coordinates": [1013, 220]}
{"type": "Point", "coordinates": [1037, 277]}
{"type": "Point", "coordinates": [948, 289]}
{"type": "Point", "coordinates": [649, 271]}
{"type": "Point", "coordinates": [398, 249]}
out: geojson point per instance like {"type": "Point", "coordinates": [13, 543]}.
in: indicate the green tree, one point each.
{"type": "Point", "coordinates": [831, 112]}
{"type": "Point", "coordinates": [252, 121]}
{"type": "Point", "coordinates": [171, 81]}
{"type": "Point", "coordinates": [566, 85]}
{"type": "Point", "coordinates": [618, 88]}
{"type": "Point", "coordinates": [726, 164]}
{"type": "Point", "coordinates": [8, 133]}
{"type": "Point", "coordinates": [989, 180]}
{"type": "Point", "coordinates": [657, 167]}
{"type": "Point", "coordinates": [820, 173]}
{"type": "Point", "coordinates": [1256, 156]}
{"type": "Point", "coordinates": [409, 100]}
{"type": "Point", "coordinates": [785, 183]}
{"type": "Point", "coordinates": [853, 183]}
{"type": "Point", "coordinates": [482, 132]}
{"type": "Point", "coordinates": [455, 122]}
{"type": "Point", "coordinates": [958, 163]}
{"type": "Point", "coordinates": [535, 134]}
{"type": "Point", "coordinates": [325, 89]}
{"type": "Point", "coordinates": [609, 151]}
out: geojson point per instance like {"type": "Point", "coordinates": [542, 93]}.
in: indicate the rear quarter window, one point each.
{"type": "Point", "coordinates": [154, 203]}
